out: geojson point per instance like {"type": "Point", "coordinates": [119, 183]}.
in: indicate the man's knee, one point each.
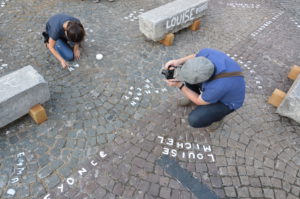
{"type": "Point", "coordinates": [196, 121]}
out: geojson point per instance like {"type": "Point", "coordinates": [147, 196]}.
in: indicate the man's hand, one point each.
{"type": "Point", "coordinates": [77, 53]}
{"type": "Point", "coordinates": [174, 62]}
{"type": "Point", "coordinates": [178, 62]}
{"type": "Point", "coordinates": [173, 82]}
{"type": "Point", "coordinates": [64, 64]}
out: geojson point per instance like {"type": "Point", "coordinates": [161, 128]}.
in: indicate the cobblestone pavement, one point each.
{"type": "Point", "coordinates": [114, 130]}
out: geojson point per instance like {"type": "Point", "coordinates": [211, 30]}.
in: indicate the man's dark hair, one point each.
{"type": "Point", "coordinates": [75, 32]}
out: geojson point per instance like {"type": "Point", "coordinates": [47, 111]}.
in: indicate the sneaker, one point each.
{"type": "Point", "coordinates": [214, 126]}
{"type": "Point", "coordinates": [184, 102]}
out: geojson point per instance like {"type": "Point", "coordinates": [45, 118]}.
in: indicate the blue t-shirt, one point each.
{"type": "Point", "coordinates": [54, 26]}
{"type": "Point", "coordinates": [229, 90]}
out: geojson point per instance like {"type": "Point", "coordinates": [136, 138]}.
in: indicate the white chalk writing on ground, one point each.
{"type": "Point", "coordinates": [19, 170]}
{"type": "Point", "coordinates": [247, 64]}
{"type": "Point", "coordinates": [135, 95]}
{"type": "Point", "coordinates": [193, 150]}
{"type": "Point", "coordinates": [296, 23]}
{"type": "Point", "coordinates": [3, 66]}
{"type": "Point", "coordinates": [71, 180]}
{"type": "Point", "coordinates": [134, 15]}
{"type": "Point", "coordinates": [266, 24]}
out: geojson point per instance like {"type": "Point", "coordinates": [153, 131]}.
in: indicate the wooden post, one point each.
{"type": "Point", "coordinates": [294, 72]}
{"type": "Point", "coordinates": [196, 25]}
{"type": "Point", "coordinates": [168, 40]}
{"type": "Point", "coordinates": [38, 114]}
{"type": "Point", "coordinates": [276, 97]}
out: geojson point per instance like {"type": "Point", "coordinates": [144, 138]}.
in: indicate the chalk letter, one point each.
{"type": "Point", "coordinates": [165, 151]}
{"type": "Point", "coordinates": [20, 162]}
{"type": "Point", "coordinates": [47, 196]}
{"type": "Point", "coordinates": [206, 149]}
{"type": "Point", "coordinates": [179, 145]}
{"type": "Point", "coordinates": [20, 154]}
{"type": "Point", "coordinates": [191, 14]}
{"type": "Point", "coordinates": [212, 157]}
{"type": "Point", "coordinates": [93, 163]}
{"type": "Point", "coordinates": [188, 145]}
{"type": "Point", "coordinates": [170, 141]}
{"type": "Point", "coordinates": [162, 139]}
{"type": "Point", "coordinates": [191, 154]}
{"type": "Point", "coordinates": [196, 146]}
{"type": "Point", "coordinates": [70, 181]}
{"type": "Point", "coordinates": [20, 170]}
{"type": "Point", "coordinates": [180, 17]}
{"type": "Point", "coordinates": [186, 16]}
{"type": "Point", "coordinates": [14, 180]}
{"type": "Point", "coordinates": [173, 22]}
{"type": "Point", "coordinates": [83, 170]}
{"type": "Point", "coordinates": [167, 25]}
{"type": "Point", "coordinates": [61, 188]}
{"type": "Point", "coordinates": [183, 154]}
{"type": "Point", "coordinates": [200, 156]}
{"type": "Point", "coordinates": [173, 153]}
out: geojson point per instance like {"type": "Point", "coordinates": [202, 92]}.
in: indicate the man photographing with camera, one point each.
{"type": "Point", "coordinates": [209, 79]}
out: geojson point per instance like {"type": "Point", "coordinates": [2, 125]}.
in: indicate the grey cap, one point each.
{"type": "Point", "coordinates": [195, 70]}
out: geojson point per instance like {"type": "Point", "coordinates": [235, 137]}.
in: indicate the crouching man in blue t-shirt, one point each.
{"type": "Point", "coordinates": [212, 81]}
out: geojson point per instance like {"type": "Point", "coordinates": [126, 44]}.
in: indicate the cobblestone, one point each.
{"type": "Point", "coordinates": [165, 192]}
{"type": "Point", "coordinates": [230, 191]}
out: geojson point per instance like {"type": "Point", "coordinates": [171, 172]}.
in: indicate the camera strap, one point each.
{"type": "Point", "coordinates": [230, 74]}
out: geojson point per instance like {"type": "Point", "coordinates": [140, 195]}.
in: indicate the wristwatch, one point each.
{"type": "Point", "coordinates": [182, 85]}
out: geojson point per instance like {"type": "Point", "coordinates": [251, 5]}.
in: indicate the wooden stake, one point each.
{"type": "Point", "coordinates": [276, 97]}
{"type": "Point", "coordinates": [168, 40]}
{"type": "Point", "coordinates": [38, 114]}
{"type": "Point", "coordinates": [294, 72]}
{"type": "Point", "coordinates": [196, 25]}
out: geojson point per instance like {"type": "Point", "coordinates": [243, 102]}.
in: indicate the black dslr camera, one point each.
{"type": "Point", "coordinates": [169, 74]}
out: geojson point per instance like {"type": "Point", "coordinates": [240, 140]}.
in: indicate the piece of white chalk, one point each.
{"type": "Point", "coordinates": [99, 56]}
{"type": "Point", "coordinates": [11, 192]}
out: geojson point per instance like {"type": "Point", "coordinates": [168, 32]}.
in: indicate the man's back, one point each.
{"type": "Point", "coordinates": [229, 90]}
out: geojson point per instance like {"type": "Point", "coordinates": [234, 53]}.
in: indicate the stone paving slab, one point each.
{"type": "Point", "coordinates": [120, 105]}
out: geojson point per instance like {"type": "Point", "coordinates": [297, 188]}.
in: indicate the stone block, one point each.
{"type": "Point", "coordinates": [171, 17]}
{"type": "Point", "coordinates": [294, 72]}
{"type": "Point", "coordinates": [290, 106]}
{"type": "Point", "coordinates": [19, 91]}
{"type": "Point", "coordinates": [276, 97]}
